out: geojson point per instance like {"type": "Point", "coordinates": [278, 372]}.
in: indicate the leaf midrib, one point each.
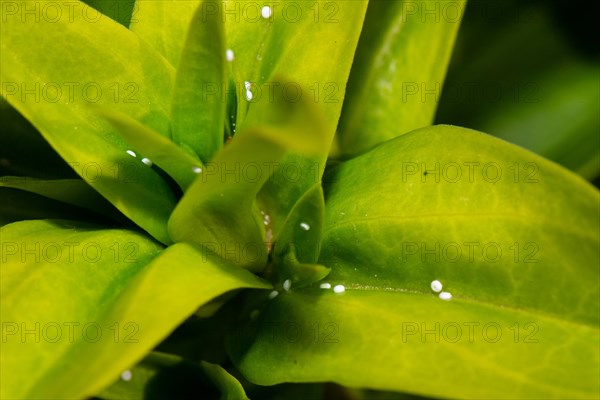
{"type": "Point", "coordinates": [523, 219]}
{"type": "Point", "coordinates": [533, 312]}
{"type": "Point", "coordinates": [393, 30]}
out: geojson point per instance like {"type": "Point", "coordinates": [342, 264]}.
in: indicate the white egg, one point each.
{"type": "Point", "coordinates": [339, 289]}
{"type": "Point", "coordinates": [266, 12]}
{"type": "Point", "coordinates": [126, 375]}
{"type": "Point", "coordinates": [445, 296]}
{"type": "Point", "coordinates": [287, 284]}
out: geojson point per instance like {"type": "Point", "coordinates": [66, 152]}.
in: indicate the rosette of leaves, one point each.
{"type": "Point", "coordinates": [206, 240]}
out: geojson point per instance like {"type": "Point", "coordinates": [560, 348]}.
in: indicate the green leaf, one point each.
{"type": "Point", "coordinates": [121, 11]}
{"type": "Point", "coordinates": [546, 102]}
{"type": "Point", "coordinates": [312, 44]}
{"type": "Point", "coordinates": [176, 162]}
{"type": "Point", "coordinates": [246, 35]}
{"type": "Point", "coordinates": [219, 211]}
{"type": "Point", "coordinates": [198, 111]}
{"type": "Point", "coordinates": [284, 45]}
{"type": "Point", "coordinates": [230, 388]}
{"type": "Point", "coordinates": [296, 249]}
{"type": "Point", "coordinates": [164, 25]}
{"type": "Point", "coordinates": [54, 96]}
{"type": "Point", "coordinates": [560, 121]}
{"type": "Point", "coordinates": [161, 375]}
{"type": "Point", "coordinates": [71, 191]}
{"type": "Point", "coordinates": [18, 205]}
{"type": "Point", "coordinates": [303, 227]}
{"type": "Point", "coordinates": [472, 196]}
{"type": "Point", "coordinates": [24, 152]}
{"type": "Point", "coordinates": [111, 303]}
{"type": "Point", "coordinates": [404, 51]}
{"type": "Point", "coordinates": [81, 272]}
{"type": "Point", "coordinates": [436, 207]}
{"type": "Point", "coordinates": [293, 195]}
{"type": "Point", "coordinates": [131, 77]}
{"type": "Point", "coordinates": [411, 342]}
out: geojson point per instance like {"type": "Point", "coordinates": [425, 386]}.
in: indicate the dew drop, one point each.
{"type": "Point", "coordinates": [147, 161]}
{"type": "Point", "coordinates": [266, 12]}
{"type": "Point", "coordinates": [445, 296]}
{"type": "Point", "coordinates": [436, 286]}
{"type": "Point", "coordinates": [273, 294]}
{"type": "Point", "coordinates": [339, 289]}
{"type": "Point", "coordinates": [131, 153]}
{"type": "Point", "coordinates": [229, 55]}
{"type": "Point", "coordinates": [197, 170]}
{"type": "Point", "coordinates": [325, 285]}
{"type": "Point", "coordinates": [254, 314]}
{"type": "Point", "coordinates": [126, 375]}
{"type": "Point", "coordinates": [305, 226]}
